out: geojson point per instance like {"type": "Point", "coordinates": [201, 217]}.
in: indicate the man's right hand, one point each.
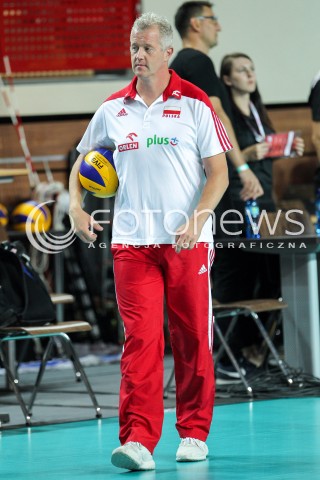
{"type": "Point", "coordinates": [84, 224]}
{"type": "Point", "coordinates": [251, 185]}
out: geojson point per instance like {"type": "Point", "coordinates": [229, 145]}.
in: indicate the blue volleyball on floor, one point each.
{"type": "Point", "coordinates": [97, 173]}
{"type": "Point", "coordinates": [38, 216]}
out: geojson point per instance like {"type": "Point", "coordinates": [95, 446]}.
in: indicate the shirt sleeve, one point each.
{"type": "Point", "coordinates": [212, 135]}
{"type": "Point", "coordinates": [96, 134]}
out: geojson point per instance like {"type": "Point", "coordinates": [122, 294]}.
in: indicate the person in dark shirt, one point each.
{"type": "Point", "coordinates": [314, 102]}
{"type": "Point", "coordinates": [198, 68]}
{"type": "Point", "coordinates": [198, 28]}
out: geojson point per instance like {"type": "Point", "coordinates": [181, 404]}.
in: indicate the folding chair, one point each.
{"type": "Point", "coordinates": [52, 332]}
{"type": "Point", "coordinates": [57, 333]}
{"type": "Point", "coordinates": [249, 308]}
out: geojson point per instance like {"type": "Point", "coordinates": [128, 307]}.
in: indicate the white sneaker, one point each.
{"type": "Point", "coordinates": [133, 456]}
{"type": "Point", "coordinates": [191, 450]}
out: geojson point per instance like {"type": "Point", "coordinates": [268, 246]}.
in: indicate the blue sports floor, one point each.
{"type": "Point", "coordinates": [272, 439]}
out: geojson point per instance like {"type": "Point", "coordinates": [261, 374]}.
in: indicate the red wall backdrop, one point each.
{"type": "Point", "coordinates": [63, 35]}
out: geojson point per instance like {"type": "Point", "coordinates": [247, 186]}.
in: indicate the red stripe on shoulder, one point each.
{"type": "Point", "coordinates": [120, 94]}
{"type": "Point", "coordinates": [127, 92]}
{"type": "Point", "coordinates": [190, 90]}
{"type": "Point", "coordinates": [221, 132]}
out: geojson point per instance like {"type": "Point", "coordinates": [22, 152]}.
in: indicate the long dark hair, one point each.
{"type": "Point", "coordinates": [255, 97]}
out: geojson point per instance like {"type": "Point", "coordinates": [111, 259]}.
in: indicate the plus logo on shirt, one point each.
{"type": "Point", "coordinates": [155, 140]}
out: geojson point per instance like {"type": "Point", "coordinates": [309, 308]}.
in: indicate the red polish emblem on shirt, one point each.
{"type": "Point", "coordinates": [171, 112]}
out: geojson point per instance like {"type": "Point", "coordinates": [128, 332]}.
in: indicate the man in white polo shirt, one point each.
{"type": "Point", "coordinates": [169, 153]}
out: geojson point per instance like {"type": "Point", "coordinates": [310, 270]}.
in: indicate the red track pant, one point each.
{"type": "Point", "coordinates": [143, 275]}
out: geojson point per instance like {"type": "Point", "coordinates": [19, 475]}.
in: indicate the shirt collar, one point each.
{"type": "Point", "coordinates": [132, 90]}
{"type": "Point", "coordinates": [173, 88]}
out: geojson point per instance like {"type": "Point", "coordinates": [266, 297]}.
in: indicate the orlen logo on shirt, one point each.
{"type": "Point", "coordinates": [155, 140]}
{"type": "Point", "coordinates": [124, 147]}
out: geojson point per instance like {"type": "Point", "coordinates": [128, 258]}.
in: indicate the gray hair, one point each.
{"type": "Point", "coordinates": [149, 19]}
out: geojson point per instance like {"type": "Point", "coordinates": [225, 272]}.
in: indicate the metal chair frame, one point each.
{"type": "Point", "coordinates": [53, 332]}
{"type": "Point", "coordinates": [249, 308]}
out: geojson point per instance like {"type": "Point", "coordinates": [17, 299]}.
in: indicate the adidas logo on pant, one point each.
{"type": "Point", "coordinates": [202, 270]}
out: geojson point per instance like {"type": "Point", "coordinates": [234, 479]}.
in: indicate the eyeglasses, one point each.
{"type": "Point", "coordinates": [210, 17]}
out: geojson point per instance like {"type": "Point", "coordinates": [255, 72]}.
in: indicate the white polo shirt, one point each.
{"type": "Point", "coordinates": [158, 152]}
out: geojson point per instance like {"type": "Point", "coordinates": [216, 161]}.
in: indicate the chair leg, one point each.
{"type": "Point", "coordinates": [230, 328]}
{"type": "Point", "coordinates": [282, 365]}
{"type": "Point", "coordinates": [233, 359]}
{"type": "Point", "coordinates": [65, 346]}
{"type": "Point", "coordinates": [79, 369]}
{"type": "Point", "coordinates": [42, 367]}
{"type": "Point", "coordinates": [14, 383]}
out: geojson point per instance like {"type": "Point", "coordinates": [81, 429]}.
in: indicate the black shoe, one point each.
{"type": "Point", "coordinates": [226, 374]}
